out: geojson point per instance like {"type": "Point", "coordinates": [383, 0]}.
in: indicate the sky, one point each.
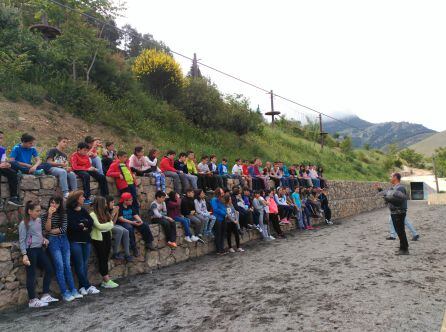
{"type": "Point", "coordinates": [381, 60]}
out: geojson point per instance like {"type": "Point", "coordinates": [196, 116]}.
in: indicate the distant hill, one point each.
{"type": "Point", "coordinates": [430, 144]}
{"type": "Point", "coordinates": [379, 135]}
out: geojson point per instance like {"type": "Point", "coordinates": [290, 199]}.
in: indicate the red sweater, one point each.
{"type": "Point", "coordinates": [166, 165]}
{"type": "Point", "coordinates": [245, 169]}
{"type": "Point", "coordinates": [79, 162]}
{"type": "Point", "coordinates": [114, 171]}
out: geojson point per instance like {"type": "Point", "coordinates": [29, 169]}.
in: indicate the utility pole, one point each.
{"type": "Point", "coordinates": [321, 131]}
{"type": "Point", "coordinates": [435, 174]}
{"type": "Point", "coordinates": [272, 113]}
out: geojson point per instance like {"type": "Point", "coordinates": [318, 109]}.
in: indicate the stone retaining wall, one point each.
{"type": "Point", "coordinates": [347, 198]}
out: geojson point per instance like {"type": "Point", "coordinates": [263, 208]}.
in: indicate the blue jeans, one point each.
{"type": "Point", "coordinates": [25, 170]}
{"type": "Point", "coordinates": [80, 252]}
{"type": "Point", "coordinates": [316, 182]}
{"type": "Point", "coordinates": [96, 162]}
{"type": "Point", "coordinates": [160, 180]}
{"type": "Point", "coordinates": [67, 180]}
{"type": "Point", "coordinates": [406, 222]}
{"type": "Point", "coordinates": [186, 225]}
{"type": "Point", "coordinates": [59, 249]}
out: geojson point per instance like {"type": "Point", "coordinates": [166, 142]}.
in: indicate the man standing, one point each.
{"type": "Point", "coordinates": [397, 201]}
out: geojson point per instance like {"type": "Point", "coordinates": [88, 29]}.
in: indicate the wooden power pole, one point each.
{"type": "Point", "coordinates": [272, 113]}
{"type": "Point", "coordinates": [435, 174]}
{"type": "Point", "coordinates": [321, 131]}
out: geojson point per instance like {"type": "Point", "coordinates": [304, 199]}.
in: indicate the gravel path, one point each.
{"type": "Point", "coordinates": [345, 278]}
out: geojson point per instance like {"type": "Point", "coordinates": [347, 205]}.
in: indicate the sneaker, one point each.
{"type": "Point", "coordinates": [281, 223]}
{"type": "Point", "coordinates": [118, 257]}
{"type": "Point", "coordinates": [92, 290]}
{"type": "Point", "coordinates": [36, 303]}
{"type": "Point", "coordinates": [200, 240]}
{"type": "Point", "coordinates": [109, 284]}
{"type": "Point", "coordinates": [76, 294]}
{"type": "Point", "coordinates": [128, 258]}
{"type": "Point", "coordinates": [39, 172]}
{"type": "Point", "coordinates": [194, 238]}
{"type": "Point", "coordinates": [83, 291]}
{"type": "Point", "coordinates": [88, 202]}
{"type": "Point", "coordinates": [272, 237]}
{"type": "Point", "coordinates": [187, 239]}
{"type": "Point", "coordinates": [241, 250]}
{"type": "Point", "coordinates": [14, 201]}
{"type": "Point", "coordinates": [416, 238]}
{"type": "Point", "coordinates": [402, 252]}
{"type": "Point", "coordinates": [65, 195]}
{"type": "Point", "coordinates": [231, 250]}
{"type": "Point", "coordinates": [48, 299]}
{"type": "Point", "coordinates": [68, 297]}
{"type": "Point", "coordinates": [172, 245]}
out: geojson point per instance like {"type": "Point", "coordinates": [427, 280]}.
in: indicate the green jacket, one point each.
{"type": "Point", "coordinates": [98, 228]}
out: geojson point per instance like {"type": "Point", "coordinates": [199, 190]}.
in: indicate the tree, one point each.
{"type": "Point", "coordinates": [440, 162]}
{"type": "Point", "coordinates": [159, 73]}
{"type": "Point", "coordinates": [135, 42]}
{"type": "Point", "coordinates": [346, 145]}
{"type": "Point", "coordinates": [413, 158]}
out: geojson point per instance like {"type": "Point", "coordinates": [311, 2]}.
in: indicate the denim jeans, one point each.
{"type": "Point", "coordinates": [96, 162]}
{"type": "Point", "coordinates": [59, 249]}
{"type": "Point", "coordinates": [160, 180]}
{"type": "Point", "coordinates": [193, 179]}
{"type": "Point", "coordinates": [186, 225]}
{"type": "Point", "coordinates": [406, 222]}
{"type": "Point", "coordinates": [67, 180]}
{"type": "Point", "coordinates": [80, 252]}
{"type": "Point", "coordinates": [208, 222]}
{"type": "Point", "coordinates": [37, 257]}
{"type": "Point", "coordinates": [176, 180]}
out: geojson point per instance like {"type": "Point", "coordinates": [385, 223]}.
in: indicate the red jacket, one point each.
{"type": "Point", "coordinates": [166, 165]}
{"type": "Point", "coordinates": [80, 163]}
{"type": "Point", "coordinates": [114, 171]}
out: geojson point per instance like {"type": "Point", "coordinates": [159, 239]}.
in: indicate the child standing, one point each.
{"type": "Point", "coordinates": [295, 196]}
{"type": "Point", "coordinates": [259, 207]}
{"type": "Point", "coordinates": [219, 209]}
{"type": "Point", "coordinates": [31, 246]}
{"type": "Point", "coordinates": [274, 213]}
{"type": "Point", "coordinates": [233, 226]}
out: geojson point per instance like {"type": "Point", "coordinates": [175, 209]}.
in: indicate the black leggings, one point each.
{"type": "Point", "coordinates": [103, 252]}
{"type": "Point", "coordinates": [141, 173]}
{"type": "Point", "coordinates": [13, 182]}
{"type": "Point", "coordinates": [274, 220]}
{"type": "Point", "coordinates": [169, 228]}
{"type": "Point", "coordinates": [37, 258]}
{"type": "Point", "coordinates": [220, 232]}
{"type": "Point", "coordinates": [285, 211]}
{"type": "Point", "coordinates": [85, 177]}
{"type": "Point", "coordinates": [232, 229]}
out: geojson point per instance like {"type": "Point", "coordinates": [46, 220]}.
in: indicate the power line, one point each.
{"type": "Point", "coordinates": [205, 65]}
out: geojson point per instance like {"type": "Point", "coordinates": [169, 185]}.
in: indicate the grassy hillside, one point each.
{"type": "Point", "coordinates": [428, 146]}
{"type": "Point", "coordinates": [47, 122]}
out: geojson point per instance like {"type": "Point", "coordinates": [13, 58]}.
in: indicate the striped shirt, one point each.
{"type": "Point", "coordinates": [57, 222]}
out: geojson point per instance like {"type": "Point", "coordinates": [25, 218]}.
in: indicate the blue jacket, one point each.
{"type": "Point", "coordinates": [219, 209]}
{"type": "Point", "coordinates": [222, 169]}
{"type": "Point", "coordinates": [286, 172]}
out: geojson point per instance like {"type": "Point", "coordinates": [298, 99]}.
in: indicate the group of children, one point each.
{"type": "Point", "coordinates": [68, 231]}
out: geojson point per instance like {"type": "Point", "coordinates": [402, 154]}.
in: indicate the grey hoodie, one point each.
{"type": "Point", "coordinates": [31, 236]}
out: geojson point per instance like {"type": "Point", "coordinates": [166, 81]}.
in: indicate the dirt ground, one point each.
{"type": "Point", "coordinates": [339, 278]}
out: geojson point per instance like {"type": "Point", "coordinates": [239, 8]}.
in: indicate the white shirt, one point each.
{"type": "Point", "coordinates": [237, 169]}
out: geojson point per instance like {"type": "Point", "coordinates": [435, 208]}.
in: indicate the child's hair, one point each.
{"type": "Point", "coordinates": [89, 139]}
{"type": "Point", "coordinates": [267, 192]}
{"type": "Point", "coordinates": [262, 192]}
{"type": "Point", "coordinates": [172, 195]}
{"type": "Point", "coordinates": [237, 160]}
{"type": "Point", "coordinates": [198, 193]}
{"type": "Point", "coordinates": [170, 152]}
{"type": "Point", "coordinates": [26, 138]}
{"type": "Point", "coordinates": [61, 138]}
{"type": "Point", "coordinates": [100, 208]}
{"type": "Point", "coordinates": [108, 144]}
{"type": "Point", "coordinates": [204, 158]}
{"type": "Point", "coordinates": [153, 151]}
{"type": "Point", "coordinates": [82, 145]}
{"type": "Point", "coordinates": [256, 192]}
{"type": "Point", "coordinates": [224, 159]}
{"type": "Point", "coordinates": [30, 205]}
{"type": "Point", "coordinates": [121, 154]}
{"type": "Point", "coordinates": [58, 200]}
{"type": "Point", "coordinates": [138, 149]}
{"type": "Point", "coordinates": [189, 191]}
{"type": "Point", "coordinates": [72, 200]}
{"type": "Point", "coordinates": [189, 152]}
{"type": "Point", "coordinates": [246, 189]}
{"type": "Point", "coordinates": [212, 156]}
{"type": "Point", "coordinates": [182, 154]}
{"type": "Point", "coordinates": [160, 194]}
{"type": "Point", "coordinates": [109, 199]}
{"type": "Point", "coordinates": [227, 199]}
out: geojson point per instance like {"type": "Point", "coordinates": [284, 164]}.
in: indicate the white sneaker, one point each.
{"type": "Point", "coordinates": [65, 196]}
{"type": "Point", "coordinates": [83, 291]}
{"type": "Point", "coordinates": [241, 250]}
{"type": "Point", "coordinates": [195, 238]}
{"type": "Point", "coordinates": [231, 250]}
{"type": "Point", "coordinates": [187, 239]}
{"type": "Point", "coordinates": [93, 290]}
{"type": "Point", "coordinates": [272, 237]}
{"type": "Point", "coordinates": [48, 299]}
{"type": "Point", "coordinates": [36, 303]}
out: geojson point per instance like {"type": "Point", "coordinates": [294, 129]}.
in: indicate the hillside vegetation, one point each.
{"type": "Point", "coordinates": [428, 146]}
{"type": "Point", "coordinates": [93, 80]}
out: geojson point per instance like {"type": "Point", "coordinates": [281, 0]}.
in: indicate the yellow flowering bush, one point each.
{"type": "Point", "coordinates": [159, 73]}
